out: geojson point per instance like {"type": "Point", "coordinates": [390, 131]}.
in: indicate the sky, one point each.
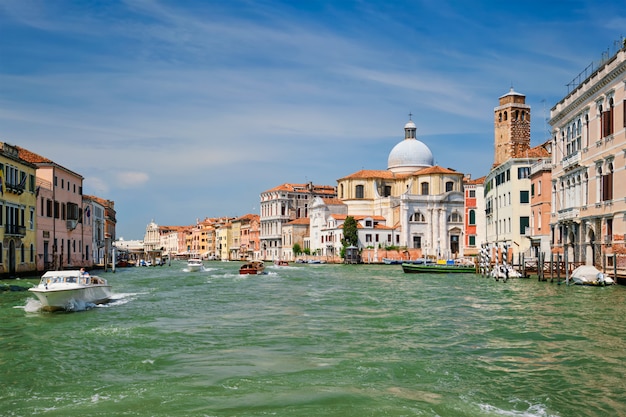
{"type": "Point", "coordinates": [182, 110]}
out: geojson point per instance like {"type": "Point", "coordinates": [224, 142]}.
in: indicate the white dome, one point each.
{"type": "Point", "coordinates": [408, 156]}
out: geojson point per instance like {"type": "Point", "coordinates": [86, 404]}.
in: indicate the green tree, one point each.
{"type": "Point", "coordinates": [297, 250]}
{"type": "Point", "coordinates": [350, 232]}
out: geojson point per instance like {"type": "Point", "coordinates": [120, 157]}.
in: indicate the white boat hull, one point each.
{"type": "Point", "coordinates": [68, 299]}
{"type": "Point", "coordinates": [70, 290]}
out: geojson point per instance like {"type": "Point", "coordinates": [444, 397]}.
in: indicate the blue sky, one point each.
{"type": "Point", "coordinates": [181, 110]}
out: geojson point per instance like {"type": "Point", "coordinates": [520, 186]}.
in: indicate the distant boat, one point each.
{"type": "Point", "coordinates": [194, 264]}
{"type": "Point", "coordinates": [252, 268]}
{"type": "Point", "coordinates": [281, 263]}
{"type": "Point", "coordinates": [62, 290]}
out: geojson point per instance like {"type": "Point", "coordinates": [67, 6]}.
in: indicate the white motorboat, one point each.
{"type": "Point", "coordinates": [590, 275]}
{"type": "Point", "coordinates": [67, 290]}
{"type": "Point", "coordinates": [194, 265]}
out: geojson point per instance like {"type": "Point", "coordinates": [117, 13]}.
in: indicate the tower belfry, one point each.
{"type": "Point", "coordinates": [511, 127]}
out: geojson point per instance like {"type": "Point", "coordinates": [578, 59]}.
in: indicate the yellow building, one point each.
{"type": "Point", "coordinates": [18, 200]}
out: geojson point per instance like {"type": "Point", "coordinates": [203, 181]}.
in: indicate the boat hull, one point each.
{"type": "Point", "coordinates": [68, 299]}
{"type": "Point", "coordinates": [437, 269]}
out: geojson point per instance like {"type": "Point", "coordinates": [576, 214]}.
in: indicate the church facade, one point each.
{"type": "Point", "coordinates": [422, 204]}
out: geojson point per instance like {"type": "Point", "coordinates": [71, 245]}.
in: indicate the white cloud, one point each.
{"type": "Point", "coordinates": [131, 179]}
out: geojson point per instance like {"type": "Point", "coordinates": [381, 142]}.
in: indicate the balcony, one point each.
{"type": "Point", "coordinates": [541, 165]}
{"type": "Point", "coordinates": [14, 230]}
{"type": "Point", "coordinates": [568, 214]}
{"type": "Point", "coordinates": [571, 161]}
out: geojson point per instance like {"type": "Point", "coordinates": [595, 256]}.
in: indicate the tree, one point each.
{"type": "Point", "coordinates": [350, 232]}
{"type": "Point", "coordinates": [297, 250]}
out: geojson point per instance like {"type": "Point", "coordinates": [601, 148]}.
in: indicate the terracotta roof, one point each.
{"type": "Point", "coordinates": [32, 157]}
{"type": "Point", "coordinates": [370, 173]}
{"type": "Point", "coordinates": [477, 181]}
{"type": "Point", "coordinates": [357, 217]}
{"type": "Point", "coordinates": [436, 170]}
{"type": "Point", "coordinates": [305, 188]}
{"type": "Point", "coordinates": [301, 220]}
{"type": "Point", "coordinates": [333, 201]}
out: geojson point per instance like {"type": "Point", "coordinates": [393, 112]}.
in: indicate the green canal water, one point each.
{"type": "Point", "coordinates": [317, 340]}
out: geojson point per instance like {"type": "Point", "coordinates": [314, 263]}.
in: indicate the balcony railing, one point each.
{"type": "Point", "coordinates": [571, 160]}
{"type": "Point", "coordinates": [14, 230]}
{"type": "Point", "coordinates": [568, 214]}
{"type": "Point", "coordinates": [541, 165]}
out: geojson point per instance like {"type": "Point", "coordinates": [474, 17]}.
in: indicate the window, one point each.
{"type": "Point", "coordinates": [368, 223]}
{"type": "Point", "coordinates": [523, 197]}
{"type": "Point", "coordinates": [523, 172]}
{"type": "Point", "coordinates": [424, 188]}
{"type": "Point", "coordinates": [32, 253]}
{"type": "Point", "coordinates": [524, 222]}
{"type": "Point", "coordinates": [472, 217]}
{"type": "Point", "coordinates": [472, 193]}
{"type": "Point", "coordinates": [607, 184]}
{"type": "Point", "coordinates": [368, 238]}
{"type": "Point", "coordinates": [539, 187]}
{"type": "Point", "coordinates": [472, 240]}
{"type": "Point", "coordinates": [449, 186]}
{"type": "Point", "coordinates": [417, 217]}
{"type": "Point", "coordinates": [455, 218]}
{"type": "Point", "coordinates": [417, 242]}
{"type": "Point", "coordinates": [359, 191]}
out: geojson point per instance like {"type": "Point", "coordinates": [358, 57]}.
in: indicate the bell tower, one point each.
{"type": "Point", "coordinates": [511, 127]}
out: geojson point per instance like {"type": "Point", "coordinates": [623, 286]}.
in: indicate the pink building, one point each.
{"type": "Point", "coordinates": [63, 239]}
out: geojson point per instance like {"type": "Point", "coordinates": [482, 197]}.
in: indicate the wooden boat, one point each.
{"type": "Point", "coordinates": [67, 290]}
{"type": "Point", "coordinates": [252, 268]}
{"type": "Point", "coordinates": [281, 263]}
{"type": "Point", "coordinates": [438, 268]}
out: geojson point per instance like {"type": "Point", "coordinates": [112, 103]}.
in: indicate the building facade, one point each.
{"type": "Point", "coordinates": [422, 203]}
{"type": "Point", "coordinates": [65, 240]}
{"type": "Point", "coordinates": [18, 206]}
{"type": "Point", "coordinates": [589, 156]}
{"type": "Point", "coordinates": [282, 204]}
{"type": "Point", "coordinates": [507, 187]}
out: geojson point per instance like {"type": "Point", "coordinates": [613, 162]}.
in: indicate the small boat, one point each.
{"type": "Point", "coordinates": [281, 263]}
{"type": "Point", "coordinates": [389, 261]}
{"type": "Point", "coordinates": [590, 275]}
{"type": "Point", "coordinates": [252, 268]}
{"type": "Point", "coordinates": [194, 265]}
{"type": "Point", "coordinates": [65, 290]}
{"type": "Point", "coordinates": [504, 272]}
{"type": "Point", "coordinates": [441, 267]}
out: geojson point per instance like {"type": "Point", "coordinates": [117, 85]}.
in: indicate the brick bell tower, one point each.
{"type": "Point", "coordinates": [512, 127]}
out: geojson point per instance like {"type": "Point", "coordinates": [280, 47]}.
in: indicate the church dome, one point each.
{"type": "Point", "coordinates": [410, 154]}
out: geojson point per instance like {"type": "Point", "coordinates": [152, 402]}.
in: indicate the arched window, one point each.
{"type": "Point", "coordinates": [359, 191]}
{"type": "Point", "coordinates": [472, 217]}
{"type": "Point", "coordinates": [424, 188]}
{"type": "Point", "coordinates": [417, 217]}
{"type": "Point", "coordinates": [455, 217]}
{"type": "Point", "coordinates": [341, 191]}
{"type": "Point", "coordinates": [449, 186]}
{"type": "Point", "coordinates": [505, 116]}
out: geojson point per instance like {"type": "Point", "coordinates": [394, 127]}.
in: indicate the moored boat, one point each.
{"type": "Point", "coordinates": [438, 268]}
{"type": "Point", "coordinates": [252, 268]}
{"type": "Point", "coordinates": [590, 275]}
{"type": "Point", "coordinates": [66, 290]}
